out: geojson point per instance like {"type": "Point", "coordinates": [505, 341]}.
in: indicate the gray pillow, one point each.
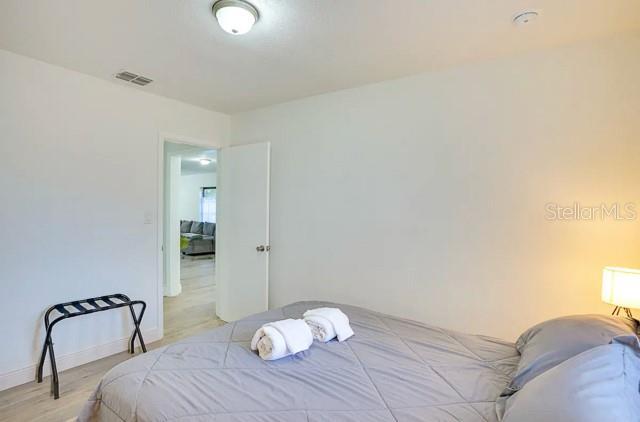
{"type": "Point", "coordinates": [185, 226]}
{"type": "Point", "coordinates": [209, 229]}
{"type": "Point", "coordinates": [599, 385]}
{"type": "Point", "coordinates": [196, 227]}
{"type": "Point", "coordinates": [550, 343]}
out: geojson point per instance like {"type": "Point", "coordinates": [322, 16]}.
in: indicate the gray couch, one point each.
{"type": "Point", "coordinates": [201, 237]}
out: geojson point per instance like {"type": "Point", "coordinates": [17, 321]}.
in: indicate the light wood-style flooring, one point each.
{"type": "Point", "coordinates": [189, 313]}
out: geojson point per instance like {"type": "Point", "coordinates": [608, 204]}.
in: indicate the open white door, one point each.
{"type": "Point", "coordinates": [242, 231]}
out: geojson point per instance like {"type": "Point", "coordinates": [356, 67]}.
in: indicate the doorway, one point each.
{"type": "Point", "coordinates": [201, 283]}
{"type": "Point", "coordinates": [190, 214]}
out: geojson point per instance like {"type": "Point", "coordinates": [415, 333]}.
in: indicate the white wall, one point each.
{"type": "Point", "coordinates": [425, 197]}
{"type": "Point", "coordinates": [172, 284]}
{"type": "Point", "coordinates": [67, 237]}
{"type": "Point", "coordinates": [190, 191]}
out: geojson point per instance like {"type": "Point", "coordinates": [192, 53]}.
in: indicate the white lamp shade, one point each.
{"type": "Point", "coordinates": [236, 17]}
{"type": "Point", "coordinates": [621, 287]}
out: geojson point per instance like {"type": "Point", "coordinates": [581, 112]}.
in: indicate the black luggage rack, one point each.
{"type": "Point", "coordinates": [85, 307]}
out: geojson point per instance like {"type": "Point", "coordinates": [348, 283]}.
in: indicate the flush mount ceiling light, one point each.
{"type": "Point", "coordinates": [525, 18]}
{"type": "Point", "coordinates": [205, 161]}
{"type": "Point", "coordinates": [236, 17]}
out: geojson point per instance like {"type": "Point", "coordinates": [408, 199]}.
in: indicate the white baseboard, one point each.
{"type": "Point", "coordinates": [71, 360]}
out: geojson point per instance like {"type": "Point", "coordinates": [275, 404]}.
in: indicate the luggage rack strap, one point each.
{"type": "Point", "coordinates": [77, 307]}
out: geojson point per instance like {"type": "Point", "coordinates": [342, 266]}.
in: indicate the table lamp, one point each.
{"type": "Point", "coordinates": [621, 287]}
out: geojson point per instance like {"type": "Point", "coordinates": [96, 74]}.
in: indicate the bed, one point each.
{"type": "Point", "coordinates": [393, 369]}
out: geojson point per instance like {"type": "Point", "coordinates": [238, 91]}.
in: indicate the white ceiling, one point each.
{"type": "Point", "coordinates": [190, 158]}
{"type": "Point", "coordinates": [298, 48]}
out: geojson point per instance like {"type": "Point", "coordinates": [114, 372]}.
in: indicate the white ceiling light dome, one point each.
{"type": "Point", "coordinates": [526, 17]}
{"type": "Point", "coordinates": [236, 17]}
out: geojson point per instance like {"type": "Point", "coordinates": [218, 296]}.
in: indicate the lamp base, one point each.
{"type": "Point", "coordinates": [617, 310]}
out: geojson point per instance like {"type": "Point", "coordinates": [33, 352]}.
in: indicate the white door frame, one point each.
{"type": "Point", "coordinates": [176, 139]}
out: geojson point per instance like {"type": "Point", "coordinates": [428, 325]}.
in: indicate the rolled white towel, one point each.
{"type": "Point", "coordinates": [327, 323]}
{"type": "Point", "coordinates": [279, 339]}
{"type": "Point", "coordinates": [321, 328]}
{"type": "Point", "coordinates": [269, 343]}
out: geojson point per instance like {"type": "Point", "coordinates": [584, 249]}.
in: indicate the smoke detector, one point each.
{"type": "Point", "coordinates": [133, 78]}
{"type": "Point", "coordinates": [526, 17]}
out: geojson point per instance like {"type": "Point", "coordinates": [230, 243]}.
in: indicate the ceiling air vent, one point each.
{"type": "Point", "coordinates": [141, 80]}
{"type": "Point", "coordinates": [133, 78]}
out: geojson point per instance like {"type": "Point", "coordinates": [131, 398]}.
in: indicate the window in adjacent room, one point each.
{"type": "Point", "coordinates": [208, 205]}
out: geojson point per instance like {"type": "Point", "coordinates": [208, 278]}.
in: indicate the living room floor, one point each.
{"type": "Point", "coordinates": [187, 314]}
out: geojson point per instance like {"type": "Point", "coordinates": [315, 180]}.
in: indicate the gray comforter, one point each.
{"type": "Point", "coordinates": [393, 369]}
